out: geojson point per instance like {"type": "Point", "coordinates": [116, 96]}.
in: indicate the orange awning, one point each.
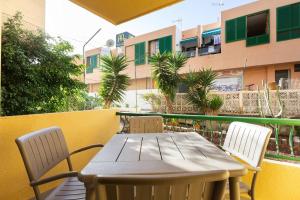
{"type": "Point", "coordinates": [119, 11]}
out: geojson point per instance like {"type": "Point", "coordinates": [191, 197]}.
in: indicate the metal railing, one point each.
{"type": "Point", "coordinates": [214, 49]}
{"type": "Point", "coordinates": [189, 54]}
{"type": "Point", "coordinates": [284, 143]}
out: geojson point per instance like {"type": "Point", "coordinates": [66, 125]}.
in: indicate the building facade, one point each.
{"type": "Point", "coordinates": [254, 43]}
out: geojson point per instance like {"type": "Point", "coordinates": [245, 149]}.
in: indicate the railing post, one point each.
{"type": "Point", "coordinates": [291, 140]}
{"type": "Point", "coordinates": [277, 138]}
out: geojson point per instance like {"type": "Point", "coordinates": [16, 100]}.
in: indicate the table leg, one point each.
{"type": "Point", "coordinates": [234, 188]}
{"type": "Point", "coordinates": [220, 189]}
{"type": "Point", "coordinates": [90, 191]}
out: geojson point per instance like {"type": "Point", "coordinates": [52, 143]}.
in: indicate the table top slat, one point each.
{"type": "Point", "coordinates": [111, 153]}
{"type": "Point", "coordinates": [131, 150]}
{"type": "Point", "coordinates": [150, 149]}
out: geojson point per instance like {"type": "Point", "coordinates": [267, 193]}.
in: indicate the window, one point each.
{"type": "Point", "coordinates": [165, 44]}
{"type": "Point", "coordinates": [281, 76]}
{"type": "Point", "coordinates": [139, 53]}
{"type": "Point", "coordinates": [297, 68]}
{"type": "Point", "coordinates": [258, 29]}
{"type": "Point", "coordinates": [92, 62]}
{"type": "Point", "coordinates": [235, 29]}
{"type": "Point", "coordinates": [288, 22]}
{"type": "Point", "coordinates": [153, 47]}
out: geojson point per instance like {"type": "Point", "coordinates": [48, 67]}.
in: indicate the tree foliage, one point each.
{"type": "Point", "coordinates": [165, 71]}
{"type": "Point", "coordinates": [113, 83]}
{"type": "Point", "coordinates": [199, 84]}
{"type": "Point", "coordinates": [38, 72]}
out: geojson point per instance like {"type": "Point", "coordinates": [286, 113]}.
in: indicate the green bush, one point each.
{"type": "Point", "coordinates": [215, 102]}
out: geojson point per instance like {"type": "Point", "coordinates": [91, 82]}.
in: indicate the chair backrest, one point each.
{"type": "Point", "coordinates": [146, 124]}
{"type": "Point", "coordinates": [202, 186]}
{"type": "Point", "coordinates": [247, 142]}
{"type": "Point", "coordinates": [42, 150]}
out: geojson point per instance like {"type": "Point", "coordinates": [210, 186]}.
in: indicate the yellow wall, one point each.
{"type": "Point", "coordinates": [278, 181]}
{"type": "Point", "coordinates": [80, 129]}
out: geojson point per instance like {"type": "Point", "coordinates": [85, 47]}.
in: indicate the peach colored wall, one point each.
{"type": "Point", "coordinates": [143, 71]}
{"type": "Point", "coordinates": [92, 78]}
{"type": "Point", "coordinates": [255, 75]}
{"type": "Point", "coordinates": [93, 87]}
{"type": "Point", "coordinates": [193, 32]}
{"type": "Point", "coordinates": [140, 84]}
{"type": "Point", "coordinates": [235, 55]}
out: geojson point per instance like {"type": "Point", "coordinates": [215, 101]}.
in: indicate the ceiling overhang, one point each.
{"type": "Point", "coordinates": [120, 11]}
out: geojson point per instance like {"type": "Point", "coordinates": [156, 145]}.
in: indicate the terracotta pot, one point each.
{"type": "Point", "coordinates": [272, 85]}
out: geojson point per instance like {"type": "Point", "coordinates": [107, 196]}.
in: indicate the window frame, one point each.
{"type": "Point", "coordinates": [267, 35]}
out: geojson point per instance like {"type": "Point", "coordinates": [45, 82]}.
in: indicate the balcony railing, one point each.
{"type": "Point", "coordinates": [190, 54]}
{"type": "Point", "coordinates": [214, 49]}
{"type": "Point", "coordinates": [281, 146]}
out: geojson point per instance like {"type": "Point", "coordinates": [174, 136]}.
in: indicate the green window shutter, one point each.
{"type": "Point", "coordinates": [230, 30]}
{"type": "Point", "coordinates": [165, 44]}
{"type": "Point", "coordinates": [241, 28]}
{"type": "Point", "coordinates": [288, 22]}
{"type": "Point", "coordinates": [284, 18]}
{"type": "Point", "coordinates": [295, 16]}
{"type": "Point", "coordinates": [94, 61]}
{"type": "Point", "coordinates": [139, 53]}
{"type": "Point", "coordinates": [89, 68]}
{"type": "Point", "coordinates": [142, 53]}
{"type": "Point", "coordinates": [257, 40]}
{"type": "Point", "coordinates": [168, 47]}
{"type": "Point", "coordinates": [136, 54]}
{"type": "Point", "coordinates": [235, 29]}
{"type": "Point", "coordinates": [162, 45]}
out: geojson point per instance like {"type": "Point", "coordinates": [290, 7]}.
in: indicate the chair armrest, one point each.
{"type": "Point", "coordinates": [250, 168]}
{"type": "Point", "coordinates": [54, 178]}
{"type": "Point", "coordinates": [86, 148]}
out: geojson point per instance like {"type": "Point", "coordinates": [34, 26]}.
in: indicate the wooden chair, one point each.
{"type": "Point", "coordinates": [146, 124]}
{"type": "Point", "coordinates": [41, 151]}
{"type": "Point", "coordinates": [197, 186]}
{"type": "Point", "coordinates": [248, 142]}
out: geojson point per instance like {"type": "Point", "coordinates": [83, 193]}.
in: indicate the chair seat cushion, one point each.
{"type": "Point", "coordinates": [71, 189]}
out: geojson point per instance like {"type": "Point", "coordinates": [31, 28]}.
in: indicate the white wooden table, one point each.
{"type": "Point", "coordinates": [141, 154]}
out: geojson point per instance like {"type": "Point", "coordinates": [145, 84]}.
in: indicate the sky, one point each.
{"type": "Point", "coordinates": [77, 25]}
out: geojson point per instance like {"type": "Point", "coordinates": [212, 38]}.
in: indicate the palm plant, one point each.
{"type": "Point", "coordinates": [165, 69]}
{"type": "Point", "coordinates": [113, 83]}
{"type": "Point", "coordinates": [200, 84]}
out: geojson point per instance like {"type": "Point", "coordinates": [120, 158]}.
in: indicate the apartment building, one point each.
{"type": "Point", "coordinates": [252, 43]}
